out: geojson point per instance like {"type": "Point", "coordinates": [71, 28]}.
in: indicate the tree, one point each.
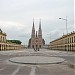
{"type": "Point", "coordinates": [15, 41]}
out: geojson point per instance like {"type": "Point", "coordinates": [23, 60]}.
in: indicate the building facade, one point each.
{"type": "Point", "coordinates": [66, 42]}
{"type": "Point", "coordinates": [4, 45]}
{"type": "Point", "coordinates": [36, 40]}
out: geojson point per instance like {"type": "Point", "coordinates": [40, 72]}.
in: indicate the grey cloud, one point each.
{"type": "Point", "coordinates": [23, 11]}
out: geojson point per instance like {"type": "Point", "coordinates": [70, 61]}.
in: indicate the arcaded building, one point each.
{"type": "Point", "coordinates": [65, 42]}
{"type": "Point", "coordinates": [36, 40]}
{"type": "Point", "coordinates": [4, 45]}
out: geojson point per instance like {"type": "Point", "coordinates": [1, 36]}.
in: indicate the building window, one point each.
{"type": "Point", "coordinates": [68, 40]}
{"type": "Point", "coordinates": [40, 46]}
{"type": "Point", "coordinates": [74, 38]}
{"type": "Point", "coordinates": [36, 46]}
{"type": "Point", "coordinates": [33, 46]}
{"type": "Point", "coordinates": [65, 41]}
{"type": "Point", "coordinates": [1, 38]}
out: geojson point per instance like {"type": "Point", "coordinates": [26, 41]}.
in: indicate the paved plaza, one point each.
{"type": "Point", "coordinates": [10, 68]}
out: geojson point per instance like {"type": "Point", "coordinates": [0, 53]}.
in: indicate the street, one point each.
{"type": "Point", "coordinates": [10, 68]}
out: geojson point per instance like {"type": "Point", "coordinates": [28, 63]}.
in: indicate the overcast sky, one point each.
{"type": "Point", "coordinates": [16, 17]}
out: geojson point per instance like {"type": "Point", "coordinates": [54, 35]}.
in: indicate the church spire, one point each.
{"type": "Point", "coordinates": [33, 30]}
{"type": "Point", "coordinates": [40, 24]}
{"type": "Point", "coordinates": [40, 30]}
{"type": "Point", "coordinates": [33, 24]}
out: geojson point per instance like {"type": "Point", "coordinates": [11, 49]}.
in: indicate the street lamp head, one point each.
{"type": "Point", "coordinates": [59, 18]}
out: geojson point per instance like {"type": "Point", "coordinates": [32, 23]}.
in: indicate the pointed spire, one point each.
{"type": "Point", "coordinates": [40, 30]}
{"type": "Point", "coordinates": [40, 24]}
{"type": "Point", "coordinates": [33, 30]}
{"type": "Point", "coordinates": [33, 24]}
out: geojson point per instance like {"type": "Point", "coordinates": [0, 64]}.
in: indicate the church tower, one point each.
{"type": "Point", "coordinates": [33, 31]}
{"type": "Point", "coordinates": [33, 36]}
{"type": "Point", "coordinates": [40, 30]}
{"type": "Point", "coordinates": [40, 42]}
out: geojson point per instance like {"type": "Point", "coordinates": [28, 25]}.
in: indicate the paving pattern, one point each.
{"type": "Point", "coordinates": [35, 60]}
{"type": "Point", "coordinates": [9, 68]}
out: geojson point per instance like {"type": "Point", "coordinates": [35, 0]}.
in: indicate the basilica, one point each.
{"type": "Point", "coordinates": [36, 40]}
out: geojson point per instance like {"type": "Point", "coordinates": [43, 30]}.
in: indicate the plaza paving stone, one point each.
{"type": "Point", "coordinates": [24, 70]}
{"type": "Point", "coordinates": [36, 60]}
{"type": "Point", "coordinates": [8, 68]}
{"type": "Point", "coordinates": [54, 69]}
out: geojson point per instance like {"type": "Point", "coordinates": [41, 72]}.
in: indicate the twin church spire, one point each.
{"type": "Point", "coordinates": [36, 41]}
{"type": "Point", "coordinates": [33, 30]}
{"type": "Point", "coordinates": [39, 31]}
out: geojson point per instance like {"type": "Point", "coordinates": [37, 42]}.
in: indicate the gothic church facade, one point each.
{"type": "Point", "coordinates": [36, 40]}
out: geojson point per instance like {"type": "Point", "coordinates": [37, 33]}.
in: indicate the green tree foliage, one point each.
{"type": "Point", "coordinates": [15, 41]}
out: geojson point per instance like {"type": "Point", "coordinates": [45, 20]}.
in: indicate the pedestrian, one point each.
{"type": "Point", "coordinates": [34, 49]}
{"type": "Point", "coordinates": [38, 49]}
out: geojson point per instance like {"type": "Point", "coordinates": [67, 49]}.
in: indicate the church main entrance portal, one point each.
{"type": "Point", "coordinates": [36, 48]}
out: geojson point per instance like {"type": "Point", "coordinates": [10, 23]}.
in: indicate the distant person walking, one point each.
{"type": "Point", "coordinates": [38, 49]}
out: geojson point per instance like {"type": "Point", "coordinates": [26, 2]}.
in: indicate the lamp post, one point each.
{"type": "Point", "coordinates": [66, 27]}
{"type": "Point", "coordinates": [66, 24]}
